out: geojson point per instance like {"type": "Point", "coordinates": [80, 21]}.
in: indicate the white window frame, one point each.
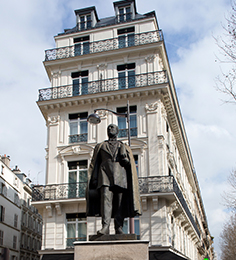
{"type": "Point", "coordinates": [124, 8]}
{"type": "Point", "coordinates": [85, 21]}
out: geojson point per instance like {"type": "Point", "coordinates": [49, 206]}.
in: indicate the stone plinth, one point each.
{"type": "Point", "coordinates": [111, 250]}
{"type": "Point", "coordinates": [113, 237]}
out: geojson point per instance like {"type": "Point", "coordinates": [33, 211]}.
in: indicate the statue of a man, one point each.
{"type": "Point", "coordinates": [113, 178]}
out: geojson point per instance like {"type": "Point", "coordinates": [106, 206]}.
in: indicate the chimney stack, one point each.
{"type": "Point", "coordinates": [6, 160]}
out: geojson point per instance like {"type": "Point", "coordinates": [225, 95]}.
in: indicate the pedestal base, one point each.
{"type": "Point", "coordinates": [111, 250]}
{"type": "Point", "coordinates": [113, 237]}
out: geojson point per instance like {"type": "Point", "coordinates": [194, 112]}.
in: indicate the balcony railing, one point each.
{"type": "Point", "coordinates": [78, 138]}
{"type": "Point", "coordinates": [147, 185]}
{"type": "Point", "coordinates": [106, 85]}
{"type": "Point", "coordinates": [103, 45]}
{"type": "Point", "coordinates": [124, 132]}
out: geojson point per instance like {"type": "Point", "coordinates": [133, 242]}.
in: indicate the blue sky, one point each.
{"type": "Point", "coordinates": [27, 29]}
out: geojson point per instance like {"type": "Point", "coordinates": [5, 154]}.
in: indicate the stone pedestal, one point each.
{"type": "Point", "coordinates": [111, 250]}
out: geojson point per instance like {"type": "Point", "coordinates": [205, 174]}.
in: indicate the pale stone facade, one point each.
{"type": "Point", "coordinates": [103, 63]}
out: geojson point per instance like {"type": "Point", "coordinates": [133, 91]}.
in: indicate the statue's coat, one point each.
{"type": "Point", "coordinates": [131, 199]}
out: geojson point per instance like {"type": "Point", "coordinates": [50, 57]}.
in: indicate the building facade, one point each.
{"type": "Point", "coordinates": [20, 222]}
{"type": "Point", "coordinates": [106, 63]}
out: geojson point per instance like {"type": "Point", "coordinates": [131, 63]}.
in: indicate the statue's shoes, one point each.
{"type": "Point", "coordinates": [119, 231]}
{"type": "Point", "coordinates": [103, 231]}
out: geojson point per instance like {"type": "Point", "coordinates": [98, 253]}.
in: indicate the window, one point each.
{"type": "Point", "coordinates": [14, 241]}
{"type": "Point", "coordinates": [85, 22]}
{"type": "Point", "coordinates": [80, 82]}
{"type": "Point", "coordinates": [78, 127]}
{"type": "Point", "coordinates": [16, 199]}
{"type": "Point", "coordinates": [2, 213]}
{"type": "Point", "coordinates": [126, 37]}
{"type": "Point", "coordinates": [122, 122]}
{"type": "Point", "coordinates": [3, 189]}
{"type": "Point", "coordinates": [15, 220]}
{"type": "Point", "coordinates": [81, 45]}
{"type": "Point", "coordinates": [2, 168]}
{"type": "Point", "coordinates": [77, 175]}
{"type": "Point", "coordinates": [136, 227]}
{"type": "Point", "coordinates": [76, 228]}
{"type": "Point", "coordinates": [1, 237]}
{"type": "Point", "coordinates": [136, 163]}
{"type": "Point", "coordinates": [126, 76]}
{"type": "Point", "coordinates": [125, 14]}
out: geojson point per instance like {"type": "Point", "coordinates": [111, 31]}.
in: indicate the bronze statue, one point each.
{"type": "Point", "coordinates": [113, 189]}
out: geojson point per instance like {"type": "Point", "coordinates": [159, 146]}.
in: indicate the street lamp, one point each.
{"type": "Point", "coordinates": [95, 120]}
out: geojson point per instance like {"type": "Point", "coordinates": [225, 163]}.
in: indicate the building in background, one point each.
{"type": "Point", "coordinates": [20, 223]}
{"type": "Point", "coordinates": [104, 63]}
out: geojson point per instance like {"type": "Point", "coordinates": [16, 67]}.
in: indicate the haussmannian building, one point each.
{"type": "Point", "coordinates": [104, 63]}
{"type": "Point", "coordinates": [20, 222]}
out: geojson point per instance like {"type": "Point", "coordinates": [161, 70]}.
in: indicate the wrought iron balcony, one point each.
{"type": "Point", "coordinates": [147, 185]}
{"type": "Point", "coordinates": [87, 47]}
{"type": "Point", "coordinates": [106, 85]}
{"type": "Point", "coordinates": [78, 138]}
{"type": "Point", "coordinates": [124, 132]}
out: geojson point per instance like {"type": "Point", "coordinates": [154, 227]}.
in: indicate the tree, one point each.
{"type": "Point", "coordinates": [227, 44]}
{"type": "Point", "coordinates": [228, 239]}
{"type": "Point", "coordinates": [230, 195]}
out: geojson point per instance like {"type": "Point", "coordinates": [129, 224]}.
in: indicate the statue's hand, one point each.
{"type": "Point", "coordinates": [125, 161]}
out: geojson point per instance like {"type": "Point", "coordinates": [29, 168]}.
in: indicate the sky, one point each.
{"type": "Point", "coordinates": [189, 27]}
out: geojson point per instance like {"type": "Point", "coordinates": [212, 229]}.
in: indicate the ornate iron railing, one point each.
{"type": "Point", "coordinates": [124, 132]}
{"type": "Point", "coordinates": [106, 85]}
{"type": "Point", "coordinates": [147, 185]}
{"type": "Point", "coordinates": [120, 42]}
{"type": "Point", "coordinates": [78, 138]}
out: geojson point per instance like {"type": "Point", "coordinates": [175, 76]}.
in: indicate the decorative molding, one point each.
{"type": "Point", "coordinates": [76, 149]}
{"type": "Point", "coordinates": [155, 203]}
{"type": "Point", "coordinates": [53, 120]}
{"type": "Point", "coordinates": [152, 108]}
{"type": "Point", "coordinates": [49, 210]}
{"type": "Point", "coordinates": [150, 58]}
{"type": "Point", "coordinates": [58, 209]}
{"type": "Point", "coordinates": [102, 66]}
{"type": "Point", "coordinates": [144, 203]}
{"type": "Point", "coordinates": [161, 141]}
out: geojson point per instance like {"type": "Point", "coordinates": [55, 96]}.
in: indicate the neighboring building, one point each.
{"type": "Point", "coordinates": [103, 63]}
{"type": "Point", "coordinates": [10, 211]}
{"type": "Point", "coordinates": [20, 223]}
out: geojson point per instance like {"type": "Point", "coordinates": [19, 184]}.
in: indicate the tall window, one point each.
{"type": "Point", "coordinates": [14, 241]}
{"type": "Point", "coordinates": [85, 22]}
{"type": "Point", "coordinates": [15, 220]}
{"type": "Point", "coordinates": [126, 75]}
{"type": "Point", "coordinates": [126, 37]}
{"type": "Point", "coordinates": [77, 174]}
{"type": "Point", "coordinates": [2, 213]}
{"type": "Point", "coordinates": [136, 163]}
{"type": "Point", "coordinates": [125, 14]}
{"type": "Point", "coordinates": [122, 122]}
{"type": "Point", "coordinates": [136, 226]}
{"type": "Point", "coordinates": [1, 237]}
{"type": "Point", "coordinates": [78, 127]}
{"type": "Point", "coordinates": [81, 45]}
{"type": "Point", "coordinates": [80, 82]}
{"type": "Point", "coordinates": [76, 228]}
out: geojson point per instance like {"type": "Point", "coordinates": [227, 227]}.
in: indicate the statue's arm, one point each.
{"type": "Point", "coordinates": [93, 168]}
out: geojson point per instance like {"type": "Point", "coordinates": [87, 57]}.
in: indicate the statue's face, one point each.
{"type": "Point", "coordinates": [112, 130]}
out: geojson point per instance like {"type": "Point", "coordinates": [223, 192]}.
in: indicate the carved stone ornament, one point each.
{"type": "Point", "coordinates": [76, 149]}
{"type": "Point", "coordinates": [150, 58]}
{"type": "Point", "coordinates": [152, 108]}
{"type": "Point", "coordinates": [102, 114]}
{"type": "Point", "coordinates": [53, 120]}
{"type": "Point", "coordinates": [49, 210]}
{"type": "Point", "coordinates": [102, 66]}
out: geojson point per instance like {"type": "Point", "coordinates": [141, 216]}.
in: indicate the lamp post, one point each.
{"type": "Point", "coordinates": [95, 119]}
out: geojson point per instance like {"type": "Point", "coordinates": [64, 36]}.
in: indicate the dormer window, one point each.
{"type": "Point", "coordinates": [85, 22]}
{"type": "Point", "coordinates": [125, 14]}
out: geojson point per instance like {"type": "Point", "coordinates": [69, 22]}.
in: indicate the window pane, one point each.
{"type": "Point", "coordinates": [83, 127]}
{"type": "Point", "coordinates": [121, 40]}
{"type": "Point", "coordinates": [82, 231]}
{"type": "Point", "coordinates": [121, 122]}
{"type": "Point", "coordinates": [128, 14]}
{"type": "Point", "coordinates": [76, 85]}
{"type": "Point", "coordinates": [130, 39]}
{"type": "Point", "coordinates": [84, 90]}
{"type": "Point", "coordinates": [133, 121]}
{"type": "Point", "coordinates": [121, 80]}
{"type": "Point", "coordinates": [131, 79]}
{"type": "Point", "coordinates": [77, 49]}
{"type": "Point", "coordinates": [86, 47]}
{"type": "Point", "coordinates": [125, 226]}
{"type": "Point", "coordinates": [73, 128]}
{"type": "Point", "coordinates": [136, 227]}
{"type": "Point", "coordinates": [72, 184]}
{"type": "Point", "coordinates": [71, 228]}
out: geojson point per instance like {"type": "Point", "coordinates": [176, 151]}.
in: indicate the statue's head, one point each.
{"type": "Point", "coordinates": [112, 131]}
